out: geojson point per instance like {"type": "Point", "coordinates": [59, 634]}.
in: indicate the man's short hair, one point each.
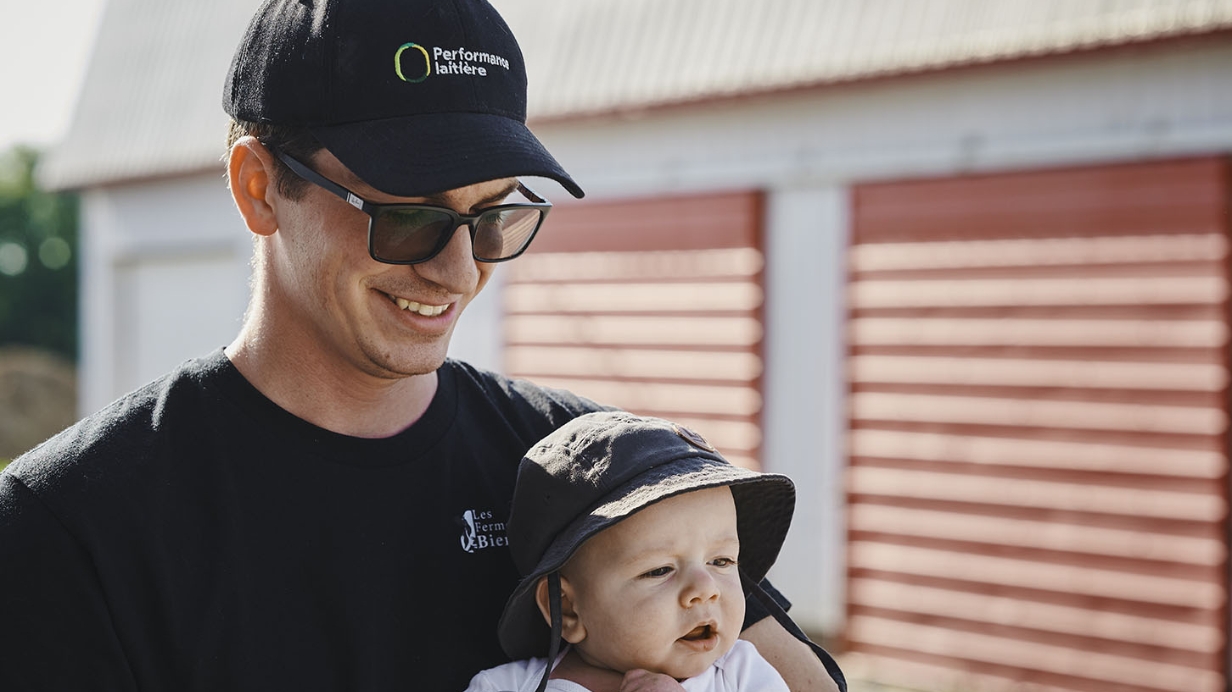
{"type": "Point", "coordinates": [293, 140]}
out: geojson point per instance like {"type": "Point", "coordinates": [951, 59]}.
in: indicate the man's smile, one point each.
{"type": "Point", "coordinates": [421, 308]}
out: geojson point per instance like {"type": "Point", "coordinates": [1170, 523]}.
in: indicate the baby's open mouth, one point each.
{"type": "Point", "coordinates": [699, 633]}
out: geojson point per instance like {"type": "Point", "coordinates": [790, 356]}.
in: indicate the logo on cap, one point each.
{"type": "Point", "coordinates": [456, 61]}
{"type": "Point", "coordinates": [693, 437]}
{"type": "Point", "coordinates": [427, 66]}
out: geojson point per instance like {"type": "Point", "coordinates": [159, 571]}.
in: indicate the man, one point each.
{"type": "Point", "coordinates": [321, 504]}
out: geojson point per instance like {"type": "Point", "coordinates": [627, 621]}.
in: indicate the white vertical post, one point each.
{"type": "Point", "coordinates": [805, 385]}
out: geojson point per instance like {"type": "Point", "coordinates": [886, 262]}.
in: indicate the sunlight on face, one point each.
{"type": "Point", "coordinates": [660, 590]}
{"type": "Point", "coordinates": [355, 313]}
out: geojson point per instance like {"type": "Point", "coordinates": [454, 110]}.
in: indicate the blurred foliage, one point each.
{"type": "Point", "coordinates": [38, 259]}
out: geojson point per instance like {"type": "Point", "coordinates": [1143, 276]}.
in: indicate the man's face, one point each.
{"type": "Point", "coordinates": [660, 590]}
{"type": "Point", "coordinates": [334, 300]}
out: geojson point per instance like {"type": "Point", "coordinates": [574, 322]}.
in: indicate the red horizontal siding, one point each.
{"type": "Point", "coordinates": [1038, 467]}
{"type": "Point", "coordinates": [653, 305]}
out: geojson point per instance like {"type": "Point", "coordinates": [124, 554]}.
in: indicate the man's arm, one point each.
{"type": "Point", "coordinates": [55, 629]}
{"type": "Point", "coordinates": [792, 658]}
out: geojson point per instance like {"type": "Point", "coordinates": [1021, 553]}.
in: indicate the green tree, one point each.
{"type": "Point", "coordinates": [38, 259]}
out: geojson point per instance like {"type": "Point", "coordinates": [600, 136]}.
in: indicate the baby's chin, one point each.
{"type": "Point", "coordinates": [695, 663]}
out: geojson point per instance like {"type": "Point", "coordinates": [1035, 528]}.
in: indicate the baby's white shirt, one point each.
{"type": "Point", "coordinates": [740, 670]}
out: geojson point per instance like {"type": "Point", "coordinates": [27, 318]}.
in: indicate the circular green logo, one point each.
{"type": "Point", "coordinates": [427, 66]}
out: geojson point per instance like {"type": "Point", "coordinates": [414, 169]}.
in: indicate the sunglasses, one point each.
{"type": "Point", "coordinates": [414, 233]}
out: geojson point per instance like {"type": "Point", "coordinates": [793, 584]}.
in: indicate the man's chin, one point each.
{"type": "Point", "coordinates": [403, 366]}
{"type": "Point", "coordinates": [416, 370]}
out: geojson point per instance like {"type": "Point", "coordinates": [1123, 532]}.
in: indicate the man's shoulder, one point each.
{"type": "Point", "coordinates": [522, 402]}
{"type": "Point", "coordinates": [119, 436]}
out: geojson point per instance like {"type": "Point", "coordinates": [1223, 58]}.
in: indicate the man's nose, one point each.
{"type": "Point", "coordinates": [453, 268]}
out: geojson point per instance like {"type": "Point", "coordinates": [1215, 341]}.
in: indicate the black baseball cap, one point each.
{"type": "Point", "coordinates": [603, 467]}
{"type": "Point", "coordinates": [414, 96]}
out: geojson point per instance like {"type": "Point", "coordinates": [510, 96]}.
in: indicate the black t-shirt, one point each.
{"type": "Point", "coordinates": [195, 536]}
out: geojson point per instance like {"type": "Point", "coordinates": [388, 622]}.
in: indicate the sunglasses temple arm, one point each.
{"type": "Point", "coordinates": [530, 194]}
{"type": "Point", "coordinates": [317, 179]}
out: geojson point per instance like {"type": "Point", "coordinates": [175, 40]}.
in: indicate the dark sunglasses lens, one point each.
{"type": "Point", "coordinates": [408, 235]}
{"type": "Point", "coordinates": [504, 233]}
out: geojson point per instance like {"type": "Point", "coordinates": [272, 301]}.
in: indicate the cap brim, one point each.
{"type": "Point", "coordinates": [419, 155]}
{"type": "Point", "coordinates": [764, 506]}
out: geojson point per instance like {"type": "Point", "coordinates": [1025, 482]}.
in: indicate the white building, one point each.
{"type": "Point", "coordinates": [957, 266]}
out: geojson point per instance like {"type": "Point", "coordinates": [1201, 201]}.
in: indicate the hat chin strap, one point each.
{"type": "Point", "coordinates": [557, 628]}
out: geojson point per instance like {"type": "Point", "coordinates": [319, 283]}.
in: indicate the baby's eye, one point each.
{"type": "Point", "coordinates": [723, 562]}
{"type": "Point", "coordinates": [658, 572]}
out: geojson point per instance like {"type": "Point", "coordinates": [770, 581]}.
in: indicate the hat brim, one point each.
{"type": "Point", "coordinates": [764, 506]}
{"type": "Point", "coordinates": [420, 155]}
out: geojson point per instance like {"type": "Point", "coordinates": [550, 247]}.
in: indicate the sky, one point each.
{"type": "Point", "coordinates": [44, 49]}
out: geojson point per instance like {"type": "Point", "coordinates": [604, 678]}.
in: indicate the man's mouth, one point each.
{"type": "Point", "coordinates": [421, 308]}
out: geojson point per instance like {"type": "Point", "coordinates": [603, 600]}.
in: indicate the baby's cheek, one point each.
{"type": "Point", "coordinates": [734, 599]}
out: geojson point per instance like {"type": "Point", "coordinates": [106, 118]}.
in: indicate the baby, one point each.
{"type": "Point", "coordinates": [632, 533]}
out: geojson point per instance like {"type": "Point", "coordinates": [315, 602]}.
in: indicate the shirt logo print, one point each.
{"type": "Point", "coordinates": [480, 532]}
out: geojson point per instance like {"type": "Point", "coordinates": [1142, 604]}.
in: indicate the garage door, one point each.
{"type": "Point", "coordinates": [1038, 429]}
{"type": "Point", "coordinates": [653, 305]}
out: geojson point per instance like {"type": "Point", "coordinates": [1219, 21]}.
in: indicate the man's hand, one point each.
{"type": "Point", "coordinates": [638, 680]}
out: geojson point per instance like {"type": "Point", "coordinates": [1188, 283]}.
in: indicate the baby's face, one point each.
{"type": "Point", "coordinates": [660, 590]}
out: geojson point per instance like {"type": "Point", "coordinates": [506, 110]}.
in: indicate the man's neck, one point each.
{"type": "Point", "coordinates": [329, 394]}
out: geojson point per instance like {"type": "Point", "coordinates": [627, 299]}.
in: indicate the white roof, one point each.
{"type": "Point", "coordinates": [593, 56]}
{"type": "Point", "coordinates": [151, 104]}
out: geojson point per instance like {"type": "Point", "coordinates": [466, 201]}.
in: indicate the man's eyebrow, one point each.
{"type": "Point", "coordinates": [441, 201]}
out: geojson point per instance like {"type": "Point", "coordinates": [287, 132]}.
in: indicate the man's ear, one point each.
{"type": "Point", "coordinates": [573, 630]}
{"type": "Point", "coordinates": [250, 174]}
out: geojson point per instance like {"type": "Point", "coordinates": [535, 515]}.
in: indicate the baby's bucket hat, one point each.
{"type": "Point", "coordinates": [601, 468]}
